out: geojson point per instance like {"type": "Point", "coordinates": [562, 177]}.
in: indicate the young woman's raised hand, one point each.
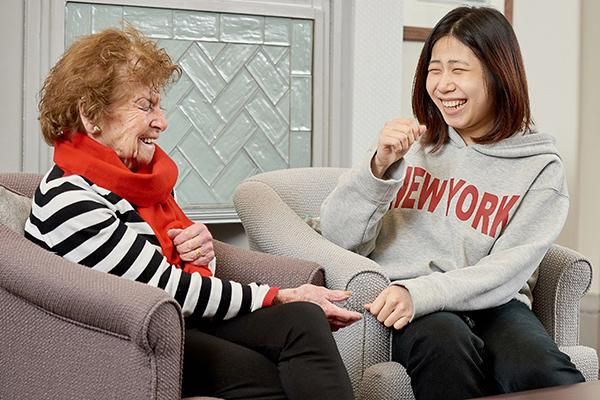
{"type": "Point", "coordinates": [395, 140]}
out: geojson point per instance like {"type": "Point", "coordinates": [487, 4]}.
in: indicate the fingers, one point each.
{"type": "Point", "coordinates": [195, 249]}
{"type": "Point", "coordinates": [336, 325]}
{"type": "Point", "coordinates": [194, 243]}
{"type": "Point", "coordinates": [337, 316]}
{"type": "Point", "coordinates": [401, 323]}
{"type": "Point", "coordinates": [395, 139]}
{"type": "Point", "coordinates": [191, 245]}
{"type": "Point", "coordinates": [400, 134]}
{"type": "Point", "coordinates": [189, 240]}
{"type": "Point", "coordinates": [393, 317]}
{"type": "Point", "coordinates": [338, 295]}
{"type": "Point", "coordinates": [173, 232]}
{"type": "Point", "coordinates": [317, 294]}
{"type": "Point", "coordinates": [191, 232]}
{"type": "Point", "coordinates": [345, 320]}
{"type": "Point", "coordinates": [340, 317]}
{"type": "Point", "coordinates": [378, 304]}
{"type": "Point", "coordinates": [393, 307]}
{"type": "Point", "coordinates": [342, 314]}
{"type": "Point", "coordinates": [200, 255]}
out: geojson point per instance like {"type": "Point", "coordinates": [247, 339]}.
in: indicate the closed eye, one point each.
{"type": "Point", "coordinates": [144, 104]}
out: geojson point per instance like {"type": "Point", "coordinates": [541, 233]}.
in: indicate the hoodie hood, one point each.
{"type": "Point", "coordinates": [517, 146]}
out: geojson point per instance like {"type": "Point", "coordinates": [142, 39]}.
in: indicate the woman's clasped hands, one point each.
{"type": "Point", "coordinates": [194, 243]}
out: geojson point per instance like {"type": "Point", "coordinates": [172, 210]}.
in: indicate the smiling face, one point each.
{"type": "Point", "coordinates": [456, 84]}
{"type": "Point", "coordinates": [132, 127]}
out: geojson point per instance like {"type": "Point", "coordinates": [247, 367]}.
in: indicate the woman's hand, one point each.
{"type": "Point", "coordinates": [194, 243]}
{"type": "Point", "coordinates": [395, 140]}
{"type": "Point", "coordinates": [338, 317]}
{"type": "Point", "coordinates": [393, 307]}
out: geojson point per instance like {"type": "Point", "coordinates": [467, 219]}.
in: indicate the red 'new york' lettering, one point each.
{"type": "Point", "coordinates": [488, 212]}
{"type": "Point", "coordinates": [484, 212]}
{"type": "Point", "coordinates": [503, 212]}
{"type": "Point", "coordinates": [453, 190]}
{"type": "Point", "coordinates": [402, 191]}
{"type": "Point", "coordinates": [431, 191]}
{"type": "Point", "coordinates": [413, 187]}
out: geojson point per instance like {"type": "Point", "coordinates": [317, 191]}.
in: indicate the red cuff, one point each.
{"type": "Point", "coordinates": [268, 300]}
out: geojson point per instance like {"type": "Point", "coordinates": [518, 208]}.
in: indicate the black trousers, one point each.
{"type": "Point", "coordinates": [464, 355]}
{"type": "Point", "coordinates": [280, 352]}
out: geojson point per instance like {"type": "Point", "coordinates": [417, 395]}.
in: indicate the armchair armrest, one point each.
{"type": "Point", "coordinates": [273, 227]}
{"type": "Point", "coordinates": [76, 322]}
{"type": "Point", "coordinates": [564, 277]}
{"type": "Point", "coordinates": [245, 266]}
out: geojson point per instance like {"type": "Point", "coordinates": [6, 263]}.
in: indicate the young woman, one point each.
{"type": "Point", "coordinates": [459, 206]}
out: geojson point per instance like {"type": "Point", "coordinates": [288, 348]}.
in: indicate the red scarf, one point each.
{"type": "Point", "coordinates": [148, 189]}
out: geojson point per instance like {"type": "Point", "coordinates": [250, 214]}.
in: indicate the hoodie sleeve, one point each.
{"type": "Point", "coordinates": [498, 277]}
{"type": "Point", "coordinates": [351, 215]}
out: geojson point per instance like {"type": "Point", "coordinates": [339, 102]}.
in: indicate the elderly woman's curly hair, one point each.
{"type": "Point", "coordinates": [96, 72]}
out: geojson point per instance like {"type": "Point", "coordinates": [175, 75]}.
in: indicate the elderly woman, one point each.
{"type": "Point", "coordinates": [107, 204]}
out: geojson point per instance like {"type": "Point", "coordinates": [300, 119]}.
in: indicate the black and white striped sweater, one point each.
{"type": "Point", "coordinates": [96, 228]}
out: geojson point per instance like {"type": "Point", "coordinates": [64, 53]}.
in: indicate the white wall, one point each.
{"type": "Point", "coordinates": [589, 189]}
{"type": "Point", "coordinates": [377, 65]}
{"type": "Point", "coordinates": [550, 49]}
{"type": "Point", "coordinates": [11, 81]}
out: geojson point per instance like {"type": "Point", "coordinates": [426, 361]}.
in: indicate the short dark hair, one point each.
{"type": "Point", "coordinates": [491, 38]}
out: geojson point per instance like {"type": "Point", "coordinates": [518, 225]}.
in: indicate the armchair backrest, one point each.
{"type": "Point", "coordinates": [302, 189]}
{"type": "Point", "coordinates": [16, 190]}
{"type": "Point", "coordinates": [21, 182]}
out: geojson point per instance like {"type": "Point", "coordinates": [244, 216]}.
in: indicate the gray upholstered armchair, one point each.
{"type": "Point", "coordinates": [274, 208]}
{"type": "Point", "coordinates": [68, 332]}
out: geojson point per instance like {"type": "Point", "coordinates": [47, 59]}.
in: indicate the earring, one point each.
{"type": "Point", "coordinates": [96, 130]}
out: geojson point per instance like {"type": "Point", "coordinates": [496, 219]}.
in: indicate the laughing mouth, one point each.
{"type": "Point", "coordinates": [454, 104]}
{"type": "Point", "coordinates": [148, 140]}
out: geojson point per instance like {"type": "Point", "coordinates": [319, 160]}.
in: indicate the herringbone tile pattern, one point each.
{"type": "Point", "coordinates": [243, 104]}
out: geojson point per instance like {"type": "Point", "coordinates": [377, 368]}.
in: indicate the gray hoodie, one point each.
{"type": "Point", "coordinates": [463, 228]}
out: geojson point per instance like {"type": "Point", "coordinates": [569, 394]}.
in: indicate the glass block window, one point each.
{"type": "Point", "coordinates": [243, 104]}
